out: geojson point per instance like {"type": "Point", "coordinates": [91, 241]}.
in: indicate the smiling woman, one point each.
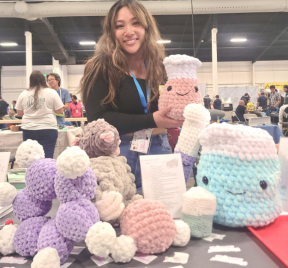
{"type": "Point", "coordinates": [121, 80]}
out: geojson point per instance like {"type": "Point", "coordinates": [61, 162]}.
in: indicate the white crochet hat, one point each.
{"type": "Point", "coordinates": [181, 66]}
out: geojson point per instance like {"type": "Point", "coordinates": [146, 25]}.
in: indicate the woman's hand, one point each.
{"type": "Point", "coordinates": [163, 121]}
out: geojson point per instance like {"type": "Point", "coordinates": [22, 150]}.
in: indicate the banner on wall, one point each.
{"type": "Point", "coordinates": [276, 84]}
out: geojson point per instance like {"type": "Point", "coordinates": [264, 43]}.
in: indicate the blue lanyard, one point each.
{"type": "Point", "coordinates": [140, 92]}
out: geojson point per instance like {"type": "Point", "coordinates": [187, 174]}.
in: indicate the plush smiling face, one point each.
{"type": "Point", "coordinates": [239, 165]}
{"type": "Point", "coordinates": [181, 88]}
{"type": "Point", "coordinates": [178, 93]}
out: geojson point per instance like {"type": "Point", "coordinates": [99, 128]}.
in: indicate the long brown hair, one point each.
{"type": "Point", "coordinates": [37, 82]}
{"type": "Point", "coordinates": [111, 62]}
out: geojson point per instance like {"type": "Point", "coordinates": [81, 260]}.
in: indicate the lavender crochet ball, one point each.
{"type": "Point", "coordinates": [91, 142]}
{"type": "Point", "coordinates": [25, 206]}
{"type": "Point", "coordinates": [26, 236]}
{"type": "Point", "coordinates": [39, 179]}
{"type": "Point", "coordinates": [82, 187]}
{"type": "Point", "coordinates": [50, 237]}
{"type": "Point", "coordinates": [74, 219]}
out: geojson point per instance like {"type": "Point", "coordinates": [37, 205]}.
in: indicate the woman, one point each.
{"type": "Point", "coordinates": [76, 110]}
{"type": "Point", "coordinates": [121, 80]}
{"type": "Point", "coordinates": [37, 106]}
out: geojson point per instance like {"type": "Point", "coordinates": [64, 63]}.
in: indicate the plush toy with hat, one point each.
{"type": "Point", "coordinates": [71, 181]}
{"type": "Point", "coordinates": [181, 92]}
{"type": "Point", "coordinates": [239, 165]}
{"type": "Point", "coordinates": [116, 187]}
{"type": "Point", "coordinates": [182, 86]}
{"type": "Point", "coordinates": [146, 227]}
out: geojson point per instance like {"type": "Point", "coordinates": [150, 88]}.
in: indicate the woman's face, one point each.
{"type": "Point", "coordinates": [74, 100]}
{"type": "Point", "coordinates": [128, 31]}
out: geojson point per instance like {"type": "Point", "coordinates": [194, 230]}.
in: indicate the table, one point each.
{"type": "Point", "coordinates": [9, 141]}
{"type": "Point", "coordinates": [18, 121]}
{"type": "Point", "coordinates": [274, 131]}
{"type": "Point", "coordinates": [252, 251]}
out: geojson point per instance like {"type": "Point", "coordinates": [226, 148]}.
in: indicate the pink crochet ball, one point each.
{"type": "Point", "coordinates": [150, 224]}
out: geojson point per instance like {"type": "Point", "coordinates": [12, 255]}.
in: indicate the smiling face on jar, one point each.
{"type": "Point", "coordinates": [178, 93]}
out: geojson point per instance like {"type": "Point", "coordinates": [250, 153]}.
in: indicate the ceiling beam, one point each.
{"type": "Point", "coordinates": [270, 45]}
{"type": "Point", "coordinates": [203, 33]}
{"type": "Point", "coordinates": [45, 32]}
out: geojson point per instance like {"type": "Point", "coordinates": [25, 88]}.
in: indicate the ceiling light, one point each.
{"type": "Point", "coordinates": [164, 41]}
{"type": "Point", "coordinates": [238, 40]}
{"type": "Point", "coordinates": [87, 43]}
{"type": "Point", "coordinates": [12, 44]}
{"type": "Point", "coordinates": [202, 41]}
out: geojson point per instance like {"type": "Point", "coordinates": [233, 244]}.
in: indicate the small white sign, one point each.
{"type": "Point", "coordinates": [101, 261]}
{"type": "Point", "coordinates": [4, 162]}
{"type": "Point", "coordinates": [163, 180]}
{"type": "Point", "coordinates": [283, 160]}
{"type": "Point", "coordinates": [144, 258]}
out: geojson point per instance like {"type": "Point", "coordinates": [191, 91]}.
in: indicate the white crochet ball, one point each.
{"type": "Point", "coordinates": [7, 194]}
{"type": "Point", "coordinates": [100, 238]}
{"type": "Point", "coordinates": [123, 249]}
{"type": "Point", "coordinates": [6, 239]}
{"type": "Point", "coordinates": [182, 236]}
{"type": "Point", "coordinates": [110, 206]}
{"type": "Point", "coordinates": [28, 152]}
{"type": "Point", "coordinates": [73, 162]}
{"type": "Point", "coordinates": [46, 258]}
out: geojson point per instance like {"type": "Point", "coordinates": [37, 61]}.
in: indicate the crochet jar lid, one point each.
{"type": "Point", "coordinates": [181, 66]}
{"type": "Point", "coordinates": [238, 141]}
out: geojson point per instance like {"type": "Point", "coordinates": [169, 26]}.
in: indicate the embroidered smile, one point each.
{"type": "Point", "coordinates": [235, 193]}
{"type": "Point", "coordinates": [182, 94]}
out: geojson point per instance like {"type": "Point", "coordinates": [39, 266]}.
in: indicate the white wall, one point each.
{"type": "Point", "coordinates": [229, 74]}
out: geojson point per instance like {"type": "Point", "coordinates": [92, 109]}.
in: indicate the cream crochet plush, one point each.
{"type": "Point", "coordinates": [116, 187]}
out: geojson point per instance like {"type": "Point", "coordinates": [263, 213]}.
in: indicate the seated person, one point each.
{"type": "Point", "coordinates": [240, 111]}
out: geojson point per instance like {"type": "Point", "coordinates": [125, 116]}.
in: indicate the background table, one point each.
{"type": "Point", "coordinates": [9, 141]}
{"type": "Point", "coordinates": [252, 251]}
{"type": "Point", "coordinates": [274, 131]}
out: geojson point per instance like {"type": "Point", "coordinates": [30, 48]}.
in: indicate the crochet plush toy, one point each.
{"type": "Point", "coordinates": [146, 226]}
{"type": "Point", "coordinates": [71, 181]}
{"type": "Point", "coordinates": [116, 187]}
{"type": "Point", "coordinates": [239, 165]}
{"type": "Point", "coordinates": [197, 117]}
{"type": "Point", "coordinates": [181, 89]}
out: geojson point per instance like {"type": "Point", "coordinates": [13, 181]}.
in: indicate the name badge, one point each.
{"type": "Point", "coordinates": [76, 111]}
{"type": "Point", "coordinates": [141, 140]}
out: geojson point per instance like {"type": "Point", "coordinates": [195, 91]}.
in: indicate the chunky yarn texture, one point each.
{"type": "Point", "coordinates": [150, 224]}
{"type": "Point", "coordinates": [6, 239]}
{"type": "Point", "coordinates": [28, 152]}
{"type": "Point", "coordinates": [46, 258]}
{"type": "Point", "coordinates": [27, 234]}
{"type": "Point", "coordinates": [74, 219]}
{"type": "Point", "coordinates": [94, 144]}
{"type": "Point", "coordinates": [199, 206]}
{"type": "Point", "coordinates": [25, 206]}
{"type": "Point", "coordinates": [39, 179]}
{"type": "Point", "coordinates": [8, 194]}
{"type": "Point", "coordinates": [50, 237]}
{"type": "Point", "coordinates": [239, 165]}
{"type": "Point", "coordinates": [81, 187]}
{"type": "Point", "coordinates": [181, 87]}
{"type": "Point", "coordinates": [73, 162]}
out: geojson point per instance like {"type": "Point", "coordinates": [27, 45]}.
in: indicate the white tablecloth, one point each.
{"type": "Point", "coordinates": [9, 141]}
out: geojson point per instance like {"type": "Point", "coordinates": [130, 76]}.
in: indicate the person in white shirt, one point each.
{"type": "Point", "coordinates": [37, 105]}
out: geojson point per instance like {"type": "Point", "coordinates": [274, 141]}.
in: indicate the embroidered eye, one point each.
{"type": "Point", "coordinates": [205, 180]}
{"type": "Point", "coordinates": [263, 184]}
{"type": "Point", "coordinates": [169, 88]}
{"type": "Point", "coordinates": [196, 89]}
